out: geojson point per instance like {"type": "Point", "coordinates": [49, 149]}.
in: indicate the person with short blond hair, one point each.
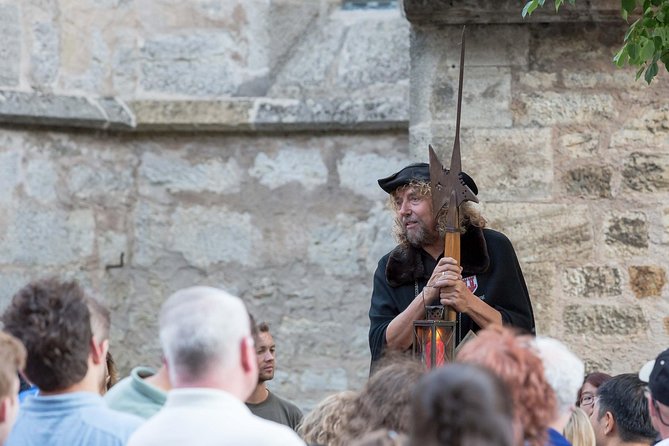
{"type": "Point", "coordinates": [12, 361]}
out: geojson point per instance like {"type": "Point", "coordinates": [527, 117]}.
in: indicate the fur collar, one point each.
{"type": "Point", "coordinates": [405, 264]}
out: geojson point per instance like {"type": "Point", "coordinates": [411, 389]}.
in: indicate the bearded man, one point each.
{"type": "Point", "coordinates": [487, 288]}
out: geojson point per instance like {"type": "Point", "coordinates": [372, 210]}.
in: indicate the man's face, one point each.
{"type": "Point", "coordinates": [598, 425]}
{"type": "Point", "coordinates": [265, 349]}
{"type": "Point", "coordinates": [414, 212]}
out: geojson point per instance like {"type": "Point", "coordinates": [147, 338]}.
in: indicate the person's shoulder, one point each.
{"type": "Point", "coordinates": [495, 237]}
{"type": "Point", "coordinates": [287, 404]}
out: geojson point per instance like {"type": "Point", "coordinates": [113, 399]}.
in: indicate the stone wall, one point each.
{"type": "Point", "coordinates": [238, 143]}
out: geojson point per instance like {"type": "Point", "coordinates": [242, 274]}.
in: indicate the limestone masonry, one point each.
{"type": "Point", "coordinates": [237, 144]}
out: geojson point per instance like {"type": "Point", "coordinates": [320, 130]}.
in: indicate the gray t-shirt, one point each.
{"type": "Point", "coordinates": [278, 410]}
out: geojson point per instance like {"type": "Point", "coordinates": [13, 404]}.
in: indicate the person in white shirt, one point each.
{"type": "Point", "coordinates": [206, 339]}
{"type": "Point", "coordinates": [656, 374]}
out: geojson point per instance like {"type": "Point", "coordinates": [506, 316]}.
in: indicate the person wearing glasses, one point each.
{"type": "Point", "coordinates": [586, 394]}
{"type": "Point", "coordinates": [656, 374]}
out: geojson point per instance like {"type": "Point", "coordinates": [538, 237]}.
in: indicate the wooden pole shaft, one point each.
{"type": "Point", "coordinates": [452, 249]}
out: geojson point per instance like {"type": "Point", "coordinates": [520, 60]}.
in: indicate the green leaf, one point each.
{"type": "Point", "coordinates": [647, 50]}
{"type": "Point", "coordinates": [639, 71]}
{"type": "Point", "coordinates": [629, 5]}
{"type": "Point", "coordinates": [631, 29]}
{"type": "Point", "coordinates": [651, 72]}
{"type": "Point", "coordinates": [541, 2]}
{"type": "Point", "coordinates": [558, 3]}
{"type": "Point", "coordinates": [633, 51]}
{"type": "Point", "coordinates": [621, 57]}
{"type": "Point", "coordinates": [529, 8]}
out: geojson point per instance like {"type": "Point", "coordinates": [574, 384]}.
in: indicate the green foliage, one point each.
{"type": "Point", "coordinates": [646, 42]}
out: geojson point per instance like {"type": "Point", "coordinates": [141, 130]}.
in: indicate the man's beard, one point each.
{"type": "Point", "coordinates": [419, 235]}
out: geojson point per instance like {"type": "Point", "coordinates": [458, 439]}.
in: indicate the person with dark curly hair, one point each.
{"type": "Point", "coordinates": [66, 333]}
{"type": "Point", "coordinates": [12, 360]}
{"type": "Point", "coordinates": [461, 404]}
{"type": "Point", "coordinates": [514, 359]}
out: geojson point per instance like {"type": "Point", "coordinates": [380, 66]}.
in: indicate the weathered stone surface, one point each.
{"type": "Point", "coordinates": [303, 166]}
{"type": "Point", "coordinates": [505, 11]}
{"type": "Point", "coordinates": [654, 120]}
{"type": "Point", "coordinates": [592, 281]}
{"type": "Point", "coordinates": [206, 236]}
{"type": "Point", "coordinates": [579, 145]}
{"type": "Point", "coordinates": [589, 182]}
{"type": "Point", "coordinates": [10, 283]}
{"type": "Point", "coordinates": [170, 172]}
{"type": "Point", "coordinates": [83, 67]}
{"type": "Point", "coordinates": [10, 45]}
{"type": "Point", "coordinates": [536, 80]}
{"type": "Point", "coordinates": [44, 60]}
{"type": "Point", "coordinates": [596, 79]}
{"type": "Point", "coordinates": [647, 280]}
{"type": "Point", "coordinates": [9, 173]}
{"type": "Point", "coordinates": [354, 172]}
{"type": "Point", "coordinates": [542, 232]}
{"type": "Point", "coordinates": [41, 180]}
{"type": "Point", "coordinates": [498, 161]}
{"type": "Point", "coordinates": [374, 51]}
{"type": "Point", "coordinates": [604, 319]}
{"type": "Point", "coordinates": [665, 323]}
{"type": "Point", "coordinates": [40, 236]}
{"type": "Point", "coordinates": [41, 109]}
{"type": "Point", "coordinates": [337, 113]}
{"type": "Point", "coordinates": [552, 108]}
{"type": "Point", "coordinates": [192, 114]}
{"type": "Point", "coordinates": [631, 141]}
{"type": "Point", "coordinates": [101, 182]}
{"type": "Point", "coordinates": [646, 172]}
{"type": "Point", "coordinates": [541, 281]}
{"type": "Point", "coordinates": [200, 63]}
{"type": "Point", "coordinates": [627, 232]}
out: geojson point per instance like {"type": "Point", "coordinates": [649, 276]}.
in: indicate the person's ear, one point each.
{"type": "Point", "coordinates": [609, 423]}
{"type": "Point", "coordinates": [99, 350]}
{"type": "Point", "coordinates": [248, 355]}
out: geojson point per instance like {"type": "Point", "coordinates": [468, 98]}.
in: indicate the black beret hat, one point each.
{"type": "Point", "coordinates": [417, 172]}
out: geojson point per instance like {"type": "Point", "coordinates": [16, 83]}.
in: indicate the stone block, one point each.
{"type": "Point", "coordinates": [332, 113]}
{"type": "Point", "coordinates": [308, 67]}
{"type": "Point", "coordinates": [536, 80]}
{"type": "Point", "coordinates": [206, 236]}
{"type": "Point", "coordinates": [354, 170]}
{"type": "Point", "coordinates": [647, 281]}
{"type": "Point", "coordinates": [101, 182]}
{"type": "Point", "coordinates": [41, 236]}
{"type": "Point", "coordinates": [632, 141]}
{"type": "Point", "coordinates": [170, 172]}
{"type": "Point", "coordinates": [544, 232]}
{"type": "Point", "coordinates": [41, 179]}
{"type": "Point", "coordinates": [548, 108]}
{"type": "Point", "coordinates": [580, 145]}
{"type": "Point", "coordinates": [288, 22]}
{"type": "Point", "coordinates": [305, 167]}
{"type": "Point", "coordinates": [498, 161]}
{"type": "Point", "coordinates": [486, 100]}
{"type": "Point", "coordinates": [323, 380]}
{"type": "Point", "coordinates": [374, 51]}
{"type": "Point", "coordinates": [627, 232]}
{"type": "Point", "coordinates": [605, 320]}
{"type": "Point", "coordinates": [665, 324]}
{"type": "Point", "coordinates": [596, 79]}
{"type": "Point", "coordinates": [46, 109]}
{"type": "Point", "coordinates": [541, 279]}
{"type": "Point", "coordinates": [654, 120]}
{"type": "Point", "coordinates": [10, 163]}
{"type": "Point", "coordinates": [588, 182]}
{"type": "Point", "coordinates": [198, 63]}
{"type": "Point", "coordinates": [44, 59]}
{"type": "Point", "coordinates": [335, 247]}
{"type": "Point", "coordinates": [224, 114]}
{"type": "Point", "coordinates": [592, 281]}
{"type": "Point", "coordinates": [646, 172]}
{"type": "Point", "coordinates": [10, 45]}
{"type": "Point", "coordinates": [151, 225]}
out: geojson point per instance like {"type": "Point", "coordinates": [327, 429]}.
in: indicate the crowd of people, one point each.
{"type": "Point", "coordinates": [504, 387]}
